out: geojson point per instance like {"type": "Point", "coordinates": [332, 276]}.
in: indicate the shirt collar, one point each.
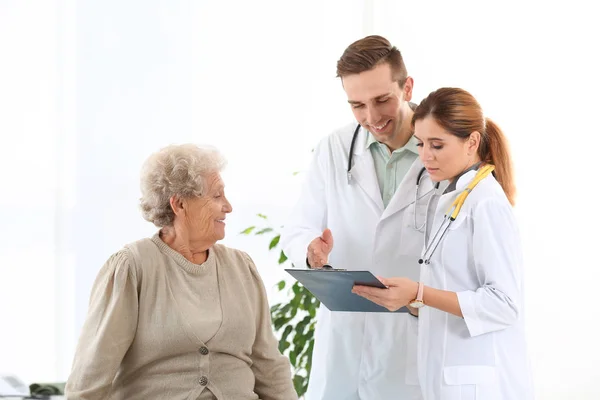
{"type": "Point", "coordinates": [370, 140]}
{"type": "Point", "coordinates": [411, 145]}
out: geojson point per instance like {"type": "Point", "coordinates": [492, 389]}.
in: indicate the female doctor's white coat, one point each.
{"type": "Point", "coordinates": [360, 355]}
{"type": "Point", "coordinates": [483, 355]}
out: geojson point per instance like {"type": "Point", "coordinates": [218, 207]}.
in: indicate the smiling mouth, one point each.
{"type": "Point", "coordinates": [381, 127]}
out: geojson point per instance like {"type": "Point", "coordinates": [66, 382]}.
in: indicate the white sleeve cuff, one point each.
{"type": "Point", "coordinates": [298, 255]}
{"type": "Point", "coordinates": [466, 302]}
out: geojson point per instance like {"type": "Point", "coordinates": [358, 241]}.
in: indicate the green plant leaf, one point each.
{"type": "Point", "coordinates": [299, 384]}
{"type": "Point", "coordinates": [274, 242]}
{"type": "Point", "coordinates": [281, 285]}
{"type": "Point", "coordinates": [299, 344]}
{"type": "Point", "coordinates": [283, 343]}
{"type": "Point", "coordinates": [247, 230]}
{"type": "Point", "coordinates": [310, 333]}
{"type": "Point", "coordinates": [295, 302]}
{"type": "Point", "coordinates": [280, 321]}
{"type": "Point", "coordinates": [275, 307]}
{"type": "Point", "coordinates": [308, 301]}
{"type": "Point", "coordinates": [287, 331]}
{"type": "Point", "coordinates": [296, 288]}
{"type": "Point", "coordinates": [264, 230]}
{"type": "Point", "coordinates": [309, 353]}
{"type": "Point", "coordinates": [282, 258]}
{"type": "Point", "coordinates": [263, 216]}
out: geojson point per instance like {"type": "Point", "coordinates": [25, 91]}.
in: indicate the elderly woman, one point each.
{"type": "Point", "coordinates": [178, 316]}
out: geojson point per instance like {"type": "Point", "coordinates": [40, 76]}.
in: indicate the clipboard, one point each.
{"type": "Point", "coordinates": [333, 288]}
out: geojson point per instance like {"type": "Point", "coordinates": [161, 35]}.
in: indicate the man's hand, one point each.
{"type": "Point", "coordinates": [319, 249]}
{"type": "Point", "coordinates": [399, 293]}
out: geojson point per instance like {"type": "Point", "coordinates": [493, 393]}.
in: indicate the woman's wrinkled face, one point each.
{"type": "Point", "coordinates": [205, 215]}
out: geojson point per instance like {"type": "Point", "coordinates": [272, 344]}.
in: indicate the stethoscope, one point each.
{"type": "Point", "coordinates": [419, 178]}
{"type": "Point", "coordinates": [417, 198]}
{"type": "Point", "coordinates": [452, 213]}
{"type": "Point", "coordinates": [354, 136]}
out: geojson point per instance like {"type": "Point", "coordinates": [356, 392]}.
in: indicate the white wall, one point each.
{"type": "Point", "coordinates": [29, 80]}
{"type": "Point", "coordinates": [89, 89]}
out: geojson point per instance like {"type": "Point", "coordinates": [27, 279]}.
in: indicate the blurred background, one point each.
{"type": "Point", "coordinates": [88, 89]}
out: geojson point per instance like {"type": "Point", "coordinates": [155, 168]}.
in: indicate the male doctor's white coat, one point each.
{"type": "Point", "coordinates": [364, 356]}
{"type": "Point", "coordinates": [482, 356]}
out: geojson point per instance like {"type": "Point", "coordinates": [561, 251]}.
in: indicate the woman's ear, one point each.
{"type": "Point", "coordinates": [177, 205]}
{"type": "Point", "coordinates": [473, 142]}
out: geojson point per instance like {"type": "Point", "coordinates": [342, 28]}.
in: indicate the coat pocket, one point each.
{"type": "Point", "coordinates": [470, 382]}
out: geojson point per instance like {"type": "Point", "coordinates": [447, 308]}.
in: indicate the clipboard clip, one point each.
{"type": "Point", "coordinates": [328, 267]}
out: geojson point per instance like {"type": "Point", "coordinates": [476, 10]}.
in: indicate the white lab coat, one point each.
{"type": "Point", "coordinates": [360, 355]}
{"type": "Point", "coordinates": [484, 355]}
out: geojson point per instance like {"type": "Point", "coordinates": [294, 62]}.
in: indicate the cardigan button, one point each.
{"type": "Point", "coordinates": [203, 381]}
{"type": "Point", "coordinates": [203, 350]}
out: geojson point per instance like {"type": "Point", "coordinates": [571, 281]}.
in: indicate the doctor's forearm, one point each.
{"type": "Point", "coordinates": [442, 300]}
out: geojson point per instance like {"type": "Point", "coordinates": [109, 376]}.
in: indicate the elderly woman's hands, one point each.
{"type": "Point", "coordinates": [399, 293]}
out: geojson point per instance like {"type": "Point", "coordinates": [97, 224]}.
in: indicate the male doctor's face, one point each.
{"type": "Point", "coordinates": [379, 103]}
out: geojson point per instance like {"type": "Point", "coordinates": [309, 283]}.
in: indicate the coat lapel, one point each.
{"type": "Point", "coordinates": [363, 171]}
{"type": "Point", "coordinates": [405, 194]}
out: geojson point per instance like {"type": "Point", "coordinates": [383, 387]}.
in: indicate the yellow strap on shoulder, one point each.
{"type": "Point", "coordinates": [460, 199]}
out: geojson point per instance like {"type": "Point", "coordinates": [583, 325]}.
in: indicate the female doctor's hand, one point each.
{"type": "Point", "coordinates": [399, 293]}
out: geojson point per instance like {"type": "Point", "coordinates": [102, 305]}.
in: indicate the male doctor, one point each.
{"type": "Point", "coordinates": [371, 215]}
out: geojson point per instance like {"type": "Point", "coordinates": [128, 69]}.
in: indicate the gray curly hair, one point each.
{"type": "Point", "coordinates": [176, 170]}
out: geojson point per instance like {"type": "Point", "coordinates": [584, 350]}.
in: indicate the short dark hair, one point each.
{"type": "Point", "coordinates": [367, 53]}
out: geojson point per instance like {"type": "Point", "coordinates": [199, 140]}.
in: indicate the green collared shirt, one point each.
{"type": "Point", "coordinates": [391, 167]}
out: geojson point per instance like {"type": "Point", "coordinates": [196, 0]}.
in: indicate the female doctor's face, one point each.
{"type": "Point", "coordinates": [443, 154]}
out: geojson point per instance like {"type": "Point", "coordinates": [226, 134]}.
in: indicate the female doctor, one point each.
{"type": "Point", "coordinates": [469, 298]}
